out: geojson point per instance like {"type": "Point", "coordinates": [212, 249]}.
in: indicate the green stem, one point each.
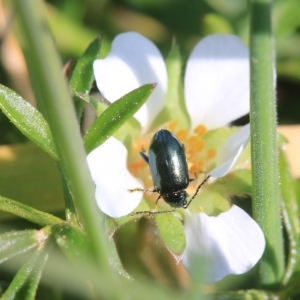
{"type": "Point", "coordinates": [266, 183]}
{"type": "Point", "coordinates": [70, 209]}
{"type": "Point", "coordinates": [52, 93]}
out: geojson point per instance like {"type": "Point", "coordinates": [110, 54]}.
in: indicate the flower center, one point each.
{"type": "Point", "coordinates": [199, 156]}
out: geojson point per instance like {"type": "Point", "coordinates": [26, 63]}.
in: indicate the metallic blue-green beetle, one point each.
{"type": "Point", "coordinates": [169, 170]}
{"type": "Point", "coordinates": [168, 167]}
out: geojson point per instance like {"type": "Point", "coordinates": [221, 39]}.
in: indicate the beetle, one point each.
{"type": "Point", "coordinates": [169, 171]}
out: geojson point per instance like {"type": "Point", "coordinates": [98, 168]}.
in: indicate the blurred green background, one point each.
{"type": "Point", "coordinates": [30, 176]}
{"type": "Point", "coordinates": [76, 23]}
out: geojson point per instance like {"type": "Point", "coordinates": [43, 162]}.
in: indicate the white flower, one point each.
{"type": "Point", "coordinates": [230, 243]}
{"type": "Point", "coordinates": [133, 61]}
{"type": "Point", "coordinates": [109, 171]}
{"type": "Point", "coordinates": [216, 92]}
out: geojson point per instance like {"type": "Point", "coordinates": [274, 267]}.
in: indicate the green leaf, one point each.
{"type": "Point", "coordinates": [246, 295]}
{"type": "Point", "coordinates": [73, 243]}
{"type": "Point", "coordinates": [27, 119]}
{"type": "Point", "coordinates": [286, 14]}
{"type": "Point", "coordinates": [27, 212]}
{"type": "Point", "coordinates": [83, 75]}
{"type": "Point", "coordinates": [112, 224]}
{"type": "Point", "coordinates": [131, 127]}
{"type": "Point", "coordinates": [97, 105]}
{"type": "Point", "coordinates": [291, 216]}
{"type": "Point", "coordinates": [115, 116]}
{"type": "Point", "coordinates": [172, 233]}
{"type": "Point", "coordinates": [211, 201]}
{"type": "Point", "coordinates": [174, 108]}
{"type": "Point", "coordinates": [25, 283]}
{"type": "Point", "coordinates": [17, 242]}
{"type": "Point", "coordinates": [215, 139]}
{"type": "Point", "coordinates": [76, 247]}
{"type": "Point", "coordinates": [214, 23]}
{"type": "Point", "coordinates": [237, 183]}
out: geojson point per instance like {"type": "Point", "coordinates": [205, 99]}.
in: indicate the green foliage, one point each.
{"type": "Point", "coordinates": [82, 77]}
{"type": "Point", "coordinates": [291, 217]}
{"type": "Point", "coordinates": [17, 242]}
{"type": "Point", "coordinates": [27, 119]}
{"type": "Point", "coordinates": [26, 281]}
{"type": "Point", "coordinates": [174, 108]}
{"type": "Point", "coordinates": [73, 243]}
{"type": "Point", "coordinates": [172, 233]}
{"type": "Point", "coordinates": [115, 115]}
{"type": "Point", "coordinates": [85, 262]}
{"type": "Point", "coordinates": [112, 225]}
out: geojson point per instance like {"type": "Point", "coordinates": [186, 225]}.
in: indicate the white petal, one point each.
{"type": "Point", "coordinates": [231, 243]}
{"type": "Point", "coordinates": [108, 168]}
{"type": "Point", "coordinates": [217, 81]}
{"type": "Point", "coordinates": [133, 61]}
{"type": "Point", "coordinates": [229, 153]}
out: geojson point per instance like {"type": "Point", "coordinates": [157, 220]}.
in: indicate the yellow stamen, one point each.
{"type": "Point", "coordinates": [197, 167]}
{"type": "Point", "coordinates": [182, 134]}
{"type": "Point", "coordinates": [137, 166]}
{"type": "Point", "coordinates": [211, 153]}
{"type": "Point", "coordinates": [190, 165]}
{"type": "Point", "coordinates": [199, 145]}
{"type": "Point", "coordinates": [200, 130]}
{"type": "Point", "coordinates": [171, 125]}
{"type": "Point", "coordinates": [193, 170]}
{"type": "Point", "coordinates": [190, 154]}
{"type": "Point", "coordinates": [200, 164]}
{"type": "Point", "coordinates": [192, 139]}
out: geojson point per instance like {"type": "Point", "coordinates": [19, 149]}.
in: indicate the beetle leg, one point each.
{"type": "Point", "coordinates": [157, 199]}
{"type": "Point", "coordinates": [149, 212]}
{"type": "Point", "coordinates": [197, 190]}
{"type": "Point", "coordinates": [144, 157]}
{"type": "Point", "coordinates": [161, 211]}
{"type": "Point", "coordinates": [139, 213]}
{"type": "Point", "coordinates": [196, 176]}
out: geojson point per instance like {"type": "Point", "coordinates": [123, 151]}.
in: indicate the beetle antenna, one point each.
{"type": "Point", "coordinates": [141, 190]}
{"type": "Point", "coordinates": [197, 190]}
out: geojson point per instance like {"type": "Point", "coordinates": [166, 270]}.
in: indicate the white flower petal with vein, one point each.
{"type": "Point", "coordinates": [109, 171]}
{"type": "Point", "coordinates": [229, 153]}
{"type": "Point", "coordinates": [231, 243]}
{"type": "Point", "coordinates": [133, 61]}
{"type": "Point", "coordinates": [216, 82]}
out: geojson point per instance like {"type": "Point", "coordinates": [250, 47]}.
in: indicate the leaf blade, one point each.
{"type": "Point", "coordinates": [27, 119]}
{"type": "Point", "coordinates": [83, 76]}
{"type": "Point", "coordinates": [115, 116]}
{"type": "Point", "coordinates": [172, 233]}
